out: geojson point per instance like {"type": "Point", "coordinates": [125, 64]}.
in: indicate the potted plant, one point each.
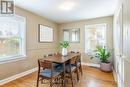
{"type": "Point", "coordinates": [64, 45]}
{"type": "Point", "coordinates": [103, 54]}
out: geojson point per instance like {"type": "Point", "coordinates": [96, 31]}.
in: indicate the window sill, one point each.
{"type": "Point", "coordinates": [12, 59]}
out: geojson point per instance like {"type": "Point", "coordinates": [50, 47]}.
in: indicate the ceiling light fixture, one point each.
{"type": "Point", "coordinates": [67, 5]}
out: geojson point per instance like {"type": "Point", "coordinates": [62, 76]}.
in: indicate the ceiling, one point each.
{"type": "Point", "coordinates": [63, 11]}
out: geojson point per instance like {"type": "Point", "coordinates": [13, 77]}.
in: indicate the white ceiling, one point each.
{"type": "Point", "coordinates": [74, 10]}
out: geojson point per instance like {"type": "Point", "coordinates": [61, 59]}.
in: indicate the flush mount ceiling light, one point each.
{"type": "Point", "coordinates": [67, 5]}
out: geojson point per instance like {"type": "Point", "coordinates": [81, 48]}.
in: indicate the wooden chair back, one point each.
{"type": "Point", "coordinates": [79, 58]}
{"type": "Point", "coordinates": [44, 64]}
{"type": "Point", "coordinates": [74, 60]}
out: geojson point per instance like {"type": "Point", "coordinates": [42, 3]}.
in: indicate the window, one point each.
{"type": "Point", "coordinates": [12, 38]}
{"type": "Point", "coordinates": [95, 35]}
{"type": "Point", "coordinates": [66, 35]}
{"type": "Point", "coordinates": [71, 35]}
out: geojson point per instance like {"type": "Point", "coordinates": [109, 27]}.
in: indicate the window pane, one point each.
{"type": "Point", "coordinates": [95, 35]}
{"type": "Point", "coordinates": [66, 36]}
{"type": "Point", "coordinates": [9, 47]}
{"type": "Point", "coordinates": [75, 35]}
{"type": "Point", "coordinates": [71, 35]}
{"type": "Point", "coordinates": [11, 36]}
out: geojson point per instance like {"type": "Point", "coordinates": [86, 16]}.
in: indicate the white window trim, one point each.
{"type": "Point", "coordinates": [12, 59]}
{"type": "Point", "coordinates": [18, 57]}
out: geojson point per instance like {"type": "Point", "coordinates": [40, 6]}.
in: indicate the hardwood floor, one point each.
{"type": "Point", "coordinates": [92, 77]}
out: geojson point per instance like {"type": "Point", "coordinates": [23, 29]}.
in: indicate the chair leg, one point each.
{"type": "Point", "coordinates": [71, 79]}
{"type": "Point", "coordinates": [81, 70]}
{"type": "Point", "coordinates": [62, 81]}
{"type": "Point", "coordinates": [77, 74]}
{"type": "Point", "coordinates": [38, 81]}
{"type": "Point", "coordinates": [51, 83]}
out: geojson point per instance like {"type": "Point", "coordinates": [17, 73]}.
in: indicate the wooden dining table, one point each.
{"type": "Point", "coordinates": [58, 58]}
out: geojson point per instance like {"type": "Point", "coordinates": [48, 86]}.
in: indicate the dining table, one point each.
{"type": "Point", "coordinates": [58, 58]}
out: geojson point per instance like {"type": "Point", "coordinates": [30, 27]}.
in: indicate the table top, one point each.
{"type": "Point", "coordinates": [59, 58]}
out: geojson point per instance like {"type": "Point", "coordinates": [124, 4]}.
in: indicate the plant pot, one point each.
{"type": "Point", "coordinates": [64, 51]}
{"type": "Point", "coordinates": [107, 67]}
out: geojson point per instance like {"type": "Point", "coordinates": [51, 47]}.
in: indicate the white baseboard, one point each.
{"type": "Point", "coordinates": [91, 64]}
{"type": "Point", "coordinates": [9, 79]}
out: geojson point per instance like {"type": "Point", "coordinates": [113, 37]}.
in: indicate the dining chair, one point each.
{"type": "Point", "coordinates": [47, 71]}
{"type": "Point", "coordinates": [71, 67]}
{"type": "Point", "coordinates": [56, 65]}
{"type": "Point", "coordinates": [79, 62]}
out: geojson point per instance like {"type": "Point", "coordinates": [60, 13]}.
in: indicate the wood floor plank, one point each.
{"type": "Point", "coordinates": [92, 77]}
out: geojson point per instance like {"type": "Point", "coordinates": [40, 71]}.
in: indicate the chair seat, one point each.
{"type": "Point", "coordinates": [78, 64]}
{"type": "Point", "coordinates": [57, 65]}
{"type": "Point", "coordinates": [73, 67]}
{"type": "Point", "coordinates": [47, 72]}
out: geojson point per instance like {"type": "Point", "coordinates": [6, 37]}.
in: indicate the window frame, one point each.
{"type": "Point", "coordinates": [70, 34]}
{"type": "Point", "coordinates": [23, 49]}
{"type": "Point", "coordinates": [85, 34]}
